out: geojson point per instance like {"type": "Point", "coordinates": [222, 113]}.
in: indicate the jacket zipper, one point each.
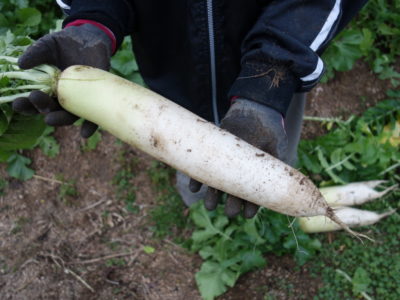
{"type": "Point", "coordinates": [211, 37]}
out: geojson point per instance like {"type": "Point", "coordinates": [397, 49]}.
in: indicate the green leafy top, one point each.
{"type": "Point", "coordinates": [17, 131]}
{"type": "Point", "coordinates": [231, 247]}
{"type": "Point", "coordinates": [359, 149]}
{"type": "Point", "coordinates": [28, 17]}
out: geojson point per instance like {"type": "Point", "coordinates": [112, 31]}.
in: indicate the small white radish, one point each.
{"type": "Point", "coordinates": [352, 217]}
{"type": "Point", "coordinates": [354, 193]}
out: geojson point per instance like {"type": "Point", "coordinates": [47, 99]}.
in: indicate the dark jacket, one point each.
{"type": "Point", "coordinates": [201, 53]}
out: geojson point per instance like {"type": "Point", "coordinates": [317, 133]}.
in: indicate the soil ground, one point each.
{"type": "Point", "coordinates": [88, 246]}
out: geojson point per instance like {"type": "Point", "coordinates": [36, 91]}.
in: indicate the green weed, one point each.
{"type": "Point", "coordinates": [232, 247]}
{"type": "Point", "coordinates": [48, 144]}
{"type": "Point", "coordinates": [358, 150]}
{"type": "Point", "coordinates": [373, 269]}
{"type": "Point", "coordinates": [115, 262]}
{"type": "Point", "coordinates": [374, 36]}
{"type": "Point", "coordinates": [67, 189]}
{"type": "Point", "coordinates": [114, 246]}
{"type": "Point", "coordinates": [125, 189]}
{"type": "Point", "coordinates": [168, 215]}
{"type": "Point", "coordinates": [3, 186]}
{"type": "Point", "coordinates": [91, 143]}
{"type": "Point", "coordinates": [19, 225]}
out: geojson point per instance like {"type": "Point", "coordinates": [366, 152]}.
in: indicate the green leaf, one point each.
{"type": "Point", "coordinates": [124, 62]}
{"type": "Point", "coordinates": [49, 146]}
{"type": "Point", "coordinates": [212, 280]}
{"type": "Point", "coordinates": [310, 160]}
{"type": "Point", "coordinates": [20, 3]}
{"type": "Point", "coordinates": [327, 167]}
{"type": "Point", "coordinates": [303, 246]}
{"type": "Point", "coordinates": [92, 142]}
{"type": "Point", "coordinates": [18, 167]}
{"type": "Point", "coordinates": [202, 235]}
{"type": "Point", "coordinates": [349, 166]}
{"type": "Point", "coordinates": [336, 159]}
{"type": "Point", "coordinates": [137, 78]}
{"type": "Point", "coordinates": [5, 155]}
{"type": "Point", "coordinates": [250, 228]}
{"type": "Point", "coordinates": [360, 281]}
{"type": "Point", "coordinates": [387, 30]}
{"type": "Point", "coordinates": [29, 16]}
{"type": "Point", "coordinates": [23, 132]}
{"type": "Point", "coordinates": [393, 94]}
{"type": "Point", "coordinates": [345, 51]}
{"type": "Point", "coordinates": [5, 117]}
{"type": "Point", "coordinates": [368, 40]}
{"type": "Point", "coordinates": [251, 259]}
{"type": "Point", "coordinates": [4, 24]}
{"type": "Point", "coordinates": [201, 218]}
{"type": "Point", "coordinates": [149, 249]}
{"type": "Point", "coordinates": [207, 252]}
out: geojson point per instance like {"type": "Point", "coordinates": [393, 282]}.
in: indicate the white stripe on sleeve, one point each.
{"type": "Point", "coordinates": [326, 29]}
{"type": "Point", "coordinates": [321, 38]}
{"type": "Point", "coordinates": [316, 73]}
{"type": "Point", "coordinates": [63, 5]}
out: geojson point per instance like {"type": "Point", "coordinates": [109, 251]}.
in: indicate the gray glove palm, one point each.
{"type": "Point", "coordinates": [75, 45]}
{"type": "Point", "coordinates": [261, 127]}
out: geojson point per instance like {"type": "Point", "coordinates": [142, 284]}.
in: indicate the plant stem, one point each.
{"type": "Point", "coordinates": [10, 59]}
{"type": "Point", "coordinates": [34, 76]}
{"type": "Point", "coordinates": [11, 98]}
{"type": "Point", "coordinates": [51, 71]}
{"type": "Point", "coordinates": [339, 163]}
{"type": "Point", "coordinates": [328, 120]}
{"type": "Point", "coordinates": [322, 119]}
{"type": "Point", "coordinates": [392, 167]}
{"type": "Point", "coordinates": [25, 87]}
{"type": "Point", "coordinates": [43, 78]}
{"type": "Point", "coordinates": [348, 278]}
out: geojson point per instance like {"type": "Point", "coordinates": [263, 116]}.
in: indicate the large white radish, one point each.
{"type": "Point", "coordinates": [352, 217]}
{"type": "Point", "coordinates": [355, 193]}
{"type": "Point", "coordinates": [188, 143]}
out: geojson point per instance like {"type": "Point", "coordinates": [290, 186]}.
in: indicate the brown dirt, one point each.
{"type": "Point", "coordinates": [54, 247]}
{"type": "Point", "coordinates": [349, 93]}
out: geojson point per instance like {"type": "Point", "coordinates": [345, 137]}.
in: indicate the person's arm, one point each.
{"type": "Point", "coordinates": [281, 53]}
{"type": "Point", "coordinates": [116, 15]}
{"type": "Point", "coordinates": [280, 56]}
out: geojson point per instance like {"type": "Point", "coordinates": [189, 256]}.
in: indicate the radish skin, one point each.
{"type": "Point", "coordinates": [183, 140]}
{"type": "Point", "coordinates": [188, 143]}
{"type": "Point", "coordinates": [172, 134]}
{"type": "Point", "coordinates": [352, 217]}
{"type": "Point", "coordinates": [355, 193]}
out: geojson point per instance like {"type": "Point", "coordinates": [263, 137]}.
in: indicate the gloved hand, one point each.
{"type": "Point", "coordinates": [260, 126]}
{"type": "Point", "coordinates": [75, 45]}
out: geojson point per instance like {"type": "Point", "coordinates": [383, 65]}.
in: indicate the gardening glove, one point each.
{"type": "Point", "coordinates": [260, 126]}
{"type": "Point", "coordinates": [74, 45]}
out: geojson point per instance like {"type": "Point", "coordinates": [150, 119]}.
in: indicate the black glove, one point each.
{"type": "Point", "coordinates": [260, 126]}
{"type": "Point", "coordinates": [75, 45]}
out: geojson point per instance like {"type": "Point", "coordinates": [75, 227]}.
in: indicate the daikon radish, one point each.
{"type": "Point", "coordinates": [183, 140]}
{"type": "Point", "coordinates": [355, 193]}
{"type": "Point", "coordinates": [352, 217]}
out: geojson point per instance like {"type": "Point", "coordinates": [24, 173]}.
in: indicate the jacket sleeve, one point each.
{"type": "Point", "coordinates": [281, 53]}
{"type": "Point", "coordinates": [117, 15]}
